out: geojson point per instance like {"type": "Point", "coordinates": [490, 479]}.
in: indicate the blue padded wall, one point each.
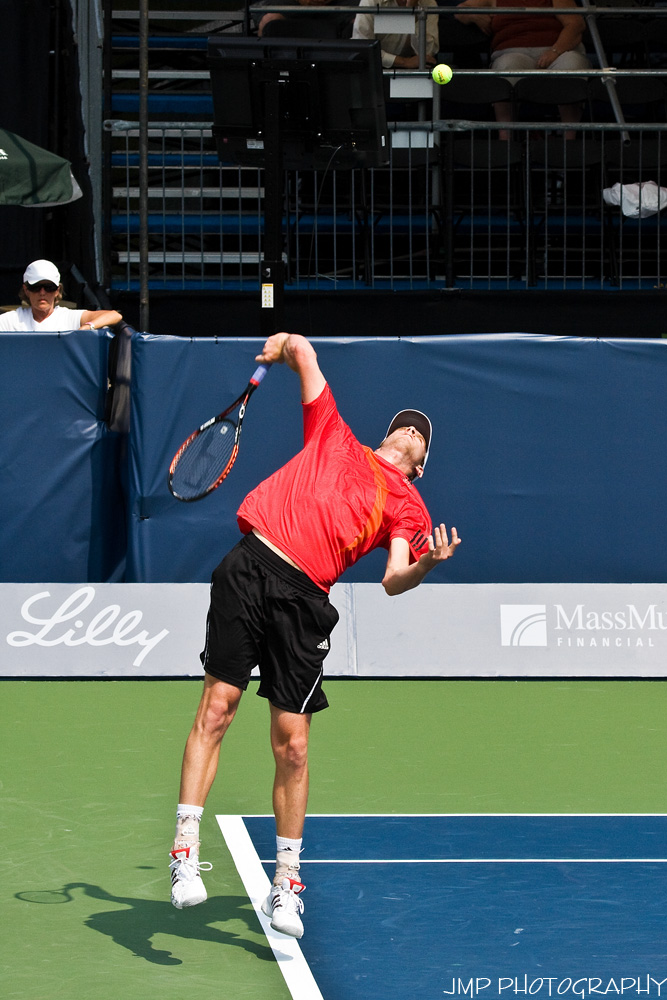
{"type": "Point", "coordinates": [547, 453]}
{"type": "Point", "coordinates": [62, 516]}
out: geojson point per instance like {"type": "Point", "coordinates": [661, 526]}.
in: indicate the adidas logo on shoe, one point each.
{"type": "Point", "coordinates": [285, 907]}
{"type": "Point", "coordinates": [187, 888]}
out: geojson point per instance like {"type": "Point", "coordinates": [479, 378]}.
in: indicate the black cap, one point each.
{"type": "Point", "coordinates": [413, 418]}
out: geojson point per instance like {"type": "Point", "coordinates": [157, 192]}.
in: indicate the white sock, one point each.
{"type": "Point", "coordinates": [187, 824]}
{"type": "Point", "coordinates": [287, 859]}
{"type": "Point", "coordinates": [285, 844]}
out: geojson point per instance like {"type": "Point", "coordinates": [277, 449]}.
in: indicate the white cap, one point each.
{"type": "Point", "coordinates": [41, 270]}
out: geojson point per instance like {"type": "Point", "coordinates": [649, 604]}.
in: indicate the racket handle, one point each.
{"type": "Point", "coordinates": [259, 374]}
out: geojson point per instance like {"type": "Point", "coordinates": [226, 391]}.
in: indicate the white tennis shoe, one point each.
{"type": "Point", "coordinates": [187, 888]}
{"type": "Point", "coordinates": [284, 906]}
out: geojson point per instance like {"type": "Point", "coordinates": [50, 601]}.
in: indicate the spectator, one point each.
{"type": "Point", "coordinates": [532, 41]}
{"type": "Point", "coordinates": [301, 26]}
{"type": "Point", "coordinates": [40, 309]}
{"type": "Point", "coordinates": [399, 51]}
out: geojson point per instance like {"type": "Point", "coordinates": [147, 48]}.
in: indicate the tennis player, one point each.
{"type": "Point", "coordinates": [302, 527]}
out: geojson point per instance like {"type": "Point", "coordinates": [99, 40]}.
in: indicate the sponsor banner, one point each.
{"type": "Point", "coordinates": [437, 630]}
{"type": "Point", "coordinates": [514, 630]}
{"type": "Point", "coordinates": [113, 630]}
{"type": "Point", "coordinates": [102, 630]}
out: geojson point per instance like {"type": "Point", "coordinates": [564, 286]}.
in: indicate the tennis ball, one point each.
{"type": "Point", "coordinates": [442, 73]}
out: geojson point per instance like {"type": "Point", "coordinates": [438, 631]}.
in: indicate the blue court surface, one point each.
{"type": "Point", "coordinates": [417, 907]}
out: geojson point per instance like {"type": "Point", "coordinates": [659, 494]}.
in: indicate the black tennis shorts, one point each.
{"type": "Point", "coordinates": [265, 612]}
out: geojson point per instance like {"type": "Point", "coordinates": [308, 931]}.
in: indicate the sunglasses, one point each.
{"type": "Point", "coordinates": [42, 286]}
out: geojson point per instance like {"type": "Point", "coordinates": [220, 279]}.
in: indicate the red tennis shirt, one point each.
{"type": "Point", "coordinates": [335, 500]}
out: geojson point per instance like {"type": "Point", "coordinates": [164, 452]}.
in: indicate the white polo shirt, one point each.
{"type": "Point", "coordinates": [21, 320]}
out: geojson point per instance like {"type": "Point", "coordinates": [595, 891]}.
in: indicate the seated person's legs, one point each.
{"type": "Point", "coordinates": [573, 60]}
{"type": "Point", "coordinates": [511, 59]}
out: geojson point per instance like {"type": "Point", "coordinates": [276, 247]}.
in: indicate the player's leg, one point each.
{"type": "Point", "coordinates": [216, 710]}
{"type": "Point", "coordinates": [232, 635]}
{"type": "Point", "coordinates": [289, 742]}
{"type": "Point", "coordinates": [298, 624]}
{"type": "Point", "coordinates": [244, 593]}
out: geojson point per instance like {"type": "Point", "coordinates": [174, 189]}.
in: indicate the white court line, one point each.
{"type": "Point", "coordinates": [482, 861]}
{"type": "Point", "coordinates": [454, 816]}
{"type": "Point", "coordinates": [477, 861]}
{"type": "Point", "coordinates": [296, 971]}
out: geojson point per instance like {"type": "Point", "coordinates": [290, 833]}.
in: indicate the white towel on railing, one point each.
{"type": "Point", "coordinates": [637, 200]}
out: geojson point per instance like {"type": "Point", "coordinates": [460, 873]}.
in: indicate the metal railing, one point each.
{"type": "Point", "coordinates": [455, 207]}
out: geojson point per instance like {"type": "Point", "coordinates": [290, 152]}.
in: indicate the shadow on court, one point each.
{"type": "Point", "coordinates": [134, 928]}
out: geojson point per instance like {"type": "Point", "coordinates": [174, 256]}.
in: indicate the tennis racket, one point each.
{"type": "Point", "coordinates": [207, 456]}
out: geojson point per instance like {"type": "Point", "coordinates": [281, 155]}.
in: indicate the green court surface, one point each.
{"type": "Point", "coordinates": [90, 783]}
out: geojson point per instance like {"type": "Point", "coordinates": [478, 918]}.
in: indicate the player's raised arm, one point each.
{"type": "Point", "coordinates": [401, 575]}
{"type": "Point", "coordinates": [299, 354]}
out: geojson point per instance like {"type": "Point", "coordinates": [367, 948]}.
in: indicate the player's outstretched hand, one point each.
{"type": "Point", "coordinates": [439, 545]}
{"type": "Point", "coordinates": [272, 352]}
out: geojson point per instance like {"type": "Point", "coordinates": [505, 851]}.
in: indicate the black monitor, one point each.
{"type": "Point", "coordinates": [331, 96]}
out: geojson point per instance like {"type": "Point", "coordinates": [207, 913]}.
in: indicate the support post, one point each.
{"type": "Point", "coordinates": [143, 166]}
{"type": "Point", "coordinates": [272, 269]}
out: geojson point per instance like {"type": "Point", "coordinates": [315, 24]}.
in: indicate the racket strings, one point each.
{"type": "Point", "coordinates": [204, 460]}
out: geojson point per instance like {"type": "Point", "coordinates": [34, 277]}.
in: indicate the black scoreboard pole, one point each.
{"type": "Point", "coordinates": [272, 268]}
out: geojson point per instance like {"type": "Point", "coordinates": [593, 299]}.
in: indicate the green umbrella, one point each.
{"type": "Point", "coordinates": [33, 177]}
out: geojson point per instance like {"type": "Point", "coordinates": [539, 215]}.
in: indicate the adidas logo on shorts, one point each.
{"type": "Point", "coordinates": [324, 644]}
